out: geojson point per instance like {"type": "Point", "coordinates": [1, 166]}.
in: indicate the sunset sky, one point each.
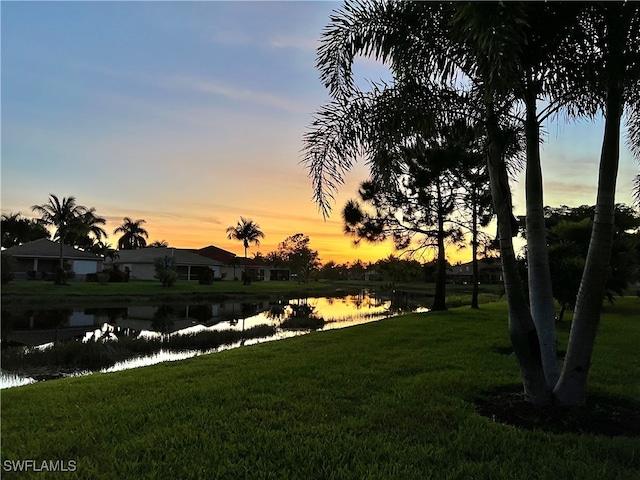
{"type": "Point", "coordinates": [191, 114]}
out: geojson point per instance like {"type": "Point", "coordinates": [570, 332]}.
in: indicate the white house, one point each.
{"type": "Point", "coordinates": [38, 259]}
{"type": "Point", "coordinates": [141, 262]}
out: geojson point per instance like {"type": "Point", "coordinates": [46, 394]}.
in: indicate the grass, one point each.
{"type": "Point", "coordinates": [26, 291]}
{"type": "Point", "coordinates": [17, 291]}
{"type": "Point", "coordinates": [391, 399]}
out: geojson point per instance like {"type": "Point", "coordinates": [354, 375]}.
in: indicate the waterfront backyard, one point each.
{"type": "Point", "coordinates": [405, 397]}
{"type": "Point", "coordinates": [64, 331]}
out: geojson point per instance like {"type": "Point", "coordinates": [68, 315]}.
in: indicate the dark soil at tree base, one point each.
{"type": "Point", "coordinates": [601, 416]}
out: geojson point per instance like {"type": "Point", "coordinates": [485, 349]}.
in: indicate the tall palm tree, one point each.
{"type": "Point", "coordinates": [62, 215]}
{"type": "Point", "coordinates": [613, 55]}
{"type": "Point", "coordinates": [416, 40]}
{"type": "Point", "coordinates": [133, 234]}
{"type": "Point", "coordinates": [86, 230]}
{"type": "Point", "coordinates": [247, 231]}
{"type": "Point", "coordinates": [512, 54]}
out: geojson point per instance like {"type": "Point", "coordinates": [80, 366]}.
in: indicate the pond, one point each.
{"type": "Point", "coordinates": [45, 344]}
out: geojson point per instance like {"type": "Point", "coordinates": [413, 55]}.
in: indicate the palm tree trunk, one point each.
{"type": "Point", "coordinates": [245, 280]}
{"type": "Point", "coordinates": [540, 290]}
{"type": "Point", "coordinates": [522, 331]}
{"type": "Point", "coordinates": [474, 249]}
{"type": "Point", "coordinates": [61, 253]}
{"type": "Point", "coordinates": [572, 386]}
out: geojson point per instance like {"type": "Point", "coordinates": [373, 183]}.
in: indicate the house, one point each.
{"type": "Point", "coordinates": [141, 262]}
{"type": "Point", "coordinates": [489, 271]}
{"type": "Point", "coordinates": [190, 262]}
{"type": "Point", "coordinates": [232, 266]}
{"type": "Point", "coordinates": [38, 259]}
{"type": "Point", "coordinates": [262, 270]}
{"type": "Point", "coordinates": [227, 264]}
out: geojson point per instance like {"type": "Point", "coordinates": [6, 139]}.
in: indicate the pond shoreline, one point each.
{"type": "Point", "coordinates": [20, 301]}
{"type": "Point", "coordinates": [134, 334]}
{"type": "Point", "coordinates": [71, 299]}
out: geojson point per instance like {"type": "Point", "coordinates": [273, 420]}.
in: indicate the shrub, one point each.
{"type": "Point", "coordinates": [102, 277]}
{"type": "Point", "coordinates": [9, 266]}
{"type": "Point", "coordinates": [113, 275]}
{"type": "Point", "coordinates": [206, 276]}
{"type": "Point", "coordinates": [62, 274]}
{"type": "Point", "coordinates": [166, 270]}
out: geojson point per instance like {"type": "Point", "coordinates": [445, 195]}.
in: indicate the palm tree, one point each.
{"type": "Point", "coordinates": [246, 231]}
{"type": "Point", "coordinates": [133, 234]}
{"type": "Point", "coordinates": [159, 244]}
{"type": "Point", "coordinates": [512, 54]}
{"type": "Point", "coordinates": [86, 230]}
{"type": "Point", "coordinates": [62, 215]}
{"type": "Point", "coordinates": [416, 40]}
{"type": "Point", "coordinates": [614, 58]}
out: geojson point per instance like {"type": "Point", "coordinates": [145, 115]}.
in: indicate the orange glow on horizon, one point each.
{"type": "Point", "coordinates": [326, 238]}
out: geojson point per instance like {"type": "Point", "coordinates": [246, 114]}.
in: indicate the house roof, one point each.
{"type": "Point", "coordinates": [45, 248]}
{"type": "Point", "coordinates": [484, 264]}
{"type": "Point", "coordinates": [252, 262]}
{"type": "Point", "coordinates": [182, 256]}
{"type": "Point", "coordinates": [218, 254]}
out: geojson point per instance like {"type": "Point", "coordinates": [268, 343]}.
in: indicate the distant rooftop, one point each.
{"type": "Point", "coordinates": [182, 256]}
{"type": "Point", "coordinates": [216, 253]}
{"type": "Point", "coordinates": [45, 248]}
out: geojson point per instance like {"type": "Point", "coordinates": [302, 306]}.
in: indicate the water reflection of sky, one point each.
{"type": "Point", "coordinates": [338, 312]}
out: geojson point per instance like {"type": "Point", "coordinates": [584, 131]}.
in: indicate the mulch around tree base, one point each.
{"type": "Point", "coordinates": [601, 416]}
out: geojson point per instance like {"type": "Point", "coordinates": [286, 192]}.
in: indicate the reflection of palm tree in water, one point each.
{"type": "Point", "coordinates": [247, 310]}
{"type": "Point", "coordinates": [163, 319]}
{"type": "Point", "coordinates": [58, 318]}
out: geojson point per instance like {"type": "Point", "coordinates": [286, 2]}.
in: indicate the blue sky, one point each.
{"type": "Point", "coordinates": [190, 114]}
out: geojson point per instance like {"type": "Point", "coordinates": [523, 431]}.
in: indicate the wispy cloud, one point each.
{"type": "Point", "coordinates": [204, 85]}
{"type": "Point", "coordinates": [234, 93]}
{"type": "Point", "coordinates": [306, 44]}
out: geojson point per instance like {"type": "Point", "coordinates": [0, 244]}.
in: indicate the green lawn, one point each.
{"type": "Point", "coordinates": [154, 287]}
{"type": "Point", "coordinates": [391, 399]}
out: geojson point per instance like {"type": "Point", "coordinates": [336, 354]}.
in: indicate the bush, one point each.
{"type": "Point", "coordinates": [9, 266]}
{"type": "Point", "coordinates": [62, 274]}
{"type": "Point", "coordinates": [166, 270]}
{"type": "Point", "coordinates": [113, 275]}
{"type": "Point", "coordinates": [102, 277]}
{"type": "Point", "coordinates": [206, 276]}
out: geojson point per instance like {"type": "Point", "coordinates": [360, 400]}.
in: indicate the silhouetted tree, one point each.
{"type": "Point", "coordinates": [63, 216]}
{"type": "Point", "coordinates": [295, 253]}
{"type": "Point", "coordinates": [86, 231]}
{"type": "Point", "coordinates": [133, 234]}
{"type": "Point", "coordinates": [246, 231]}
{"type": "Point", "coordinates": [511, 54]}
{"type": "Point", "coordinates": [17, 230]}
{"type": "Point", "coordinates": [159, 244]}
